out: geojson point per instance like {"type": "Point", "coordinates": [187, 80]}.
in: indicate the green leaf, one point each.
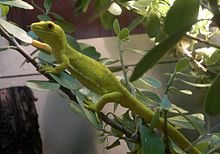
{"type": "Point", "coordinates": [47, 5]}
{"type": "Point", "coordinates": [154, 121]}
{"type": "Point", "coordinates": [123, 34]}
{"type": "Point", "coordinates": [108, 61]}
{"type": "Point", "coordinates": [16, 31]}
{"type": "Point", "coordinates": [57, 16]}
{"type": "Point", "coordinates": [195, 121]}
{"type": "Point", "coordinates": [138, 20]}
{"type": "Point", "coordinates": [151, 142]}
{"type": "Point", "coordinates": [193, 84]}
{"type": "Point", "coordinates": [141, 4]}
{"type": "Point", "coordinates": [152, 82]}
{"type": "Point", "coordinates": [43, 57]}
{"type": "Point", "coordinates": [215, 57]}
{"type": "Point", "coordinates": [153, 25]}
{"type": "Point", "coordinates": [42, 85]}
{"type": "Point", "coordinates": [66, 80]}
{"type": "Point", "coordinates": [116, 27]}
{"type": "Point", "coordinates": [178, 91]}
{"type": "Point", "coordinates": [145, 96]}
{"type": "Point", "coordinates": [107, 20]}
{"type": "Point", "coordinates": [182, 14]}
{"type": "Point", "coordinates": [212, 98]}
{"type": "Point", "coordinates": [18, 3]}
{"type": "Point", "coordinates": [76, 108]}
{"type": "Point", "coordinates": [165, 104]}
{"type": "Point", "coordinates": [67, 26]}
{"type": "Point", "coordinates": [44, 17]}
{"type": "Point", "coordinates": [152, 57]}
{"type": "Point", "coordinates": [114, 144]}
{"type": "Point", "coordinates": [4, 10]}
{"type": "Point", "coordinates": [73, 42]}
{"type": "Point", "coordinates": [182, 64]}
{"type": "Point", "coordinates": [89, 51]}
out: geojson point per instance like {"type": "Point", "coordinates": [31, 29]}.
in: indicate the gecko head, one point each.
{"type": "Point", "coordinates": [49, 32]}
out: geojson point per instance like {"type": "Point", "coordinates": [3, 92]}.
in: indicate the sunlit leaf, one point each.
{"type": "Point", "coordinates": [18, 3]}
{"type": "Point", "coordinates": [42, 85]}
{"type": "Point", "coordinates": [15, 31]}
{"type": "Point", "coordinates": [212, 98]}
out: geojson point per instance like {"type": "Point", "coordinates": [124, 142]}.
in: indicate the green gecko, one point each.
{"type": "Point", "coordinates": [96, 77]}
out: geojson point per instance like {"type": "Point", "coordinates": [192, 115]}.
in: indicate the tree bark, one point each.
{"type": "Point", "coordinates": [19, 129]}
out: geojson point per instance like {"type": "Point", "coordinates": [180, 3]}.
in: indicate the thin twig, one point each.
{"type": "Point", "coordinates": [203, 41]}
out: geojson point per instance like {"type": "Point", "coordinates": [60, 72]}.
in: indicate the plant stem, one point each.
{"type": "Point", "coordinates": [122, 63]}
{"type": "Point", "coordinates": [203, 41]}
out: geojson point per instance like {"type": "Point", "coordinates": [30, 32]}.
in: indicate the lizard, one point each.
{"type": "Point", "coordinates": [96, 77]}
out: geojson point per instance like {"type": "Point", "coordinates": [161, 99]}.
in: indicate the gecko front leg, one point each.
{"type": "Point", "coordinates": [65, 63]}
{"type": "Point", "coordinates": [106, 98]}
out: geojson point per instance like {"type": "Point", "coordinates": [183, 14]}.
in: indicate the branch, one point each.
{"type": "Point", "coordinates": [107, 120]}
{"type": "Point", "coordinates": [203, 41]}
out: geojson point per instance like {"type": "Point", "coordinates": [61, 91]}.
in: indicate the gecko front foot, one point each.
{"type": "Point", "coordinates": [47, 69]}
{"type": "Point", "coordinates": [90, 105]}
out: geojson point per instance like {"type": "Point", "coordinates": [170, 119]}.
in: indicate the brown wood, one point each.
{"type": "Point", "coordinates": [19, 129]}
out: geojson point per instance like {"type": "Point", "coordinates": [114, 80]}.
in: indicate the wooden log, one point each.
{"type": "Point", "coordinates": [19, 129]}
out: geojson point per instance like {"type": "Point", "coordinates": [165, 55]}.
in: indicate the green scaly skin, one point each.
{"type": "Point", "coordinates": [95, 77]}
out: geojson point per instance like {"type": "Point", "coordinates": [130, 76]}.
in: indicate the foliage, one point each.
{"type": "Point", "coordinates": [183, 28]}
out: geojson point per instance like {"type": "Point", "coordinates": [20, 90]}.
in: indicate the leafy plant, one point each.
{"type": "Point", "coordinates": [182, 28]}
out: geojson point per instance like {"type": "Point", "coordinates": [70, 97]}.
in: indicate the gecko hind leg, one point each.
{"type": "Point", "coordinates": [106, 98]}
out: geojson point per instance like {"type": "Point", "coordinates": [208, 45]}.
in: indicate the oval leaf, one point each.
{"type": "Point", "coordinates": [42, 85]}
{"type": "Point", "coordinates": [15, 31]}
{"type": "Point", "coordinates": [182, 14]}
{"type": "Point", "coordinates": [153, 25]}
{"type": "Point", "coordinates": [151, 142]}
{"type": "Point", "coordinates": [18, 3]}
{"type": "Point", "coordinates": [182, 64]}
{"type": "Point", "coordinates": [116, 26]}
{"type": "Point", "coordinates": [65, 80]}
{"type": "Point", "coordinates": [212, 99]}
{"type": "Point", "coordinates": [123, 34]}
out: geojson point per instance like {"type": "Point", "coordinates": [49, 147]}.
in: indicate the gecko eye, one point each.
{"type": "Point", "coordinates": [50, 26]}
